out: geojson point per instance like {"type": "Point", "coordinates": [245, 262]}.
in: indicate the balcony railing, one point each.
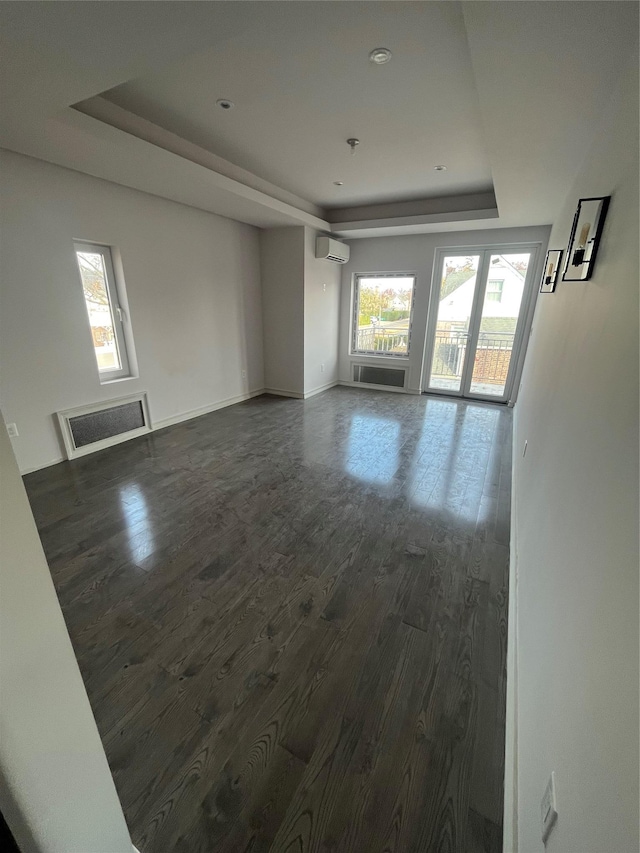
{"type": "Point", "coordinates": [493, 354]}
{"type": "Point", "coordinates": [383, 339]}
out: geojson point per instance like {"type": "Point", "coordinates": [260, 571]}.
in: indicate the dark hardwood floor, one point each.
{"type": "Point", "coordinates": [291, 620]}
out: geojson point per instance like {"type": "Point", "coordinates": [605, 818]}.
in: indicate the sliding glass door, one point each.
{"type": "Point", "coordinates": [476, 321]}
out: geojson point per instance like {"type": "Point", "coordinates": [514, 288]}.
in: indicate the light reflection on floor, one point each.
{"type": "Point", "coordinates": [373, 448]}
{"type": "Point", "coordinates": [442, 466]}
{"type": "Point", "coordinates": [136, 515]}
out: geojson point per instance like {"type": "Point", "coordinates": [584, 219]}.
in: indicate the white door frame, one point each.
{"type": "Point", "coordinates": [522, 327]}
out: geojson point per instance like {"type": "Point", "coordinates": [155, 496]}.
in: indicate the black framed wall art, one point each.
{"type": "Point", "coordinates": [586, 232]}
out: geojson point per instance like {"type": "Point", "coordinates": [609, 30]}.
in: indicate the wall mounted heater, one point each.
{"type": "Point", "coordinates": [392, 377]}
{"type": "Point", "coordinates": [86, 429]}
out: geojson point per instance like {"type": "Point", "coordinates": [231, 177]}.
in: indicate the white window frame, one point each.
{"type": "Point", "coordinates": [118, 316]}
{"type": "Point", "coordinates": [356, 313]}
{"type": "Point", "coordinates": [523, 328]}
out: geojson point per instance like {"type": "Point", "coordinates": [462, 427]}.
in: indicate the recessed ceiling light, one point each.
{"type": "Point", "coordinates": [338, 183]}
{"type": "Point", "coordinates": [225, 104]}
{"type": "Point", "coordinates": [380, 55]}
{"type": "Point", "coordinates": [440, 168]}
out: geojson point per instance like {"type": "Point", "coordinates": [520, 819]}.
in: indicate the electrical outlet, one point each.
{"type": "Point", "coordinates": [548, 808]}
{"type": "Point", "coordinates": [244, 374]}
{"type": "Point", "coordinates": [322, 368]}
{"type": "Point", "coordinates": [12, 429]}
{"type": "Point", "coordinates": [324, 287]}
{"type": "Point", "coordinates": [524, 449]}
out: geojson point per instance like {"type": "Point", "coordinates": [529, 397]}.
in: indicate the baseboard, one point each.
{"type": "Point", "coordinates": [55, 461]}
{"type": "Point", "coordinates": [205, 410]}
{"type": "Point", "coordinates": [510, 814]}
{"type": "Point", "coordinates": [281, 392]}
{"type": "Point", "coordinates": [320, 389]}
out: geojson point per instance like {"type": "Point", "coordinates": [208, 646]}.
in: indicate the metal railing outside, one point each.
{"type": "Point", "coordinates": [380, 339]}
{"type": "Point", "coordinates": [493, 351]}
{"type": "Point", "coordinates": [493, 355]}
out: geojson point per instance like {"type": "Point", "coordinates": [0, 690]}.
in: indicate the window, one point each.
{"type": "Point", "coordinates": [494, 290]}
{"type": "Point", "coordinates": [382, 313]}
{"type": "Point", "coordinates": [106, 318]}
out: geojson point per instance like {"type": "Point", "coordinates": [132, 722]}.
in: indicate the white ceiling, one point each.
{"type": "Point", "coordinates": [302, 84]}
{"type": "Point", "coordinates": [507, 94]}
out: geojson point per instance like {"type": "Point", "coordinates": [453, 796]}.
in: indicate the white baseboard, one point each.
{"type": "Point", "coordinates": [510, 814]}
{"type": "Point", "coordinates": [51, 462]}
{"type": "Point", "coordinates": [320, 389]}
{"type": "Point", "coordinates": [205, 410]}
{"type": "Point", "coordinates": [281, 392]}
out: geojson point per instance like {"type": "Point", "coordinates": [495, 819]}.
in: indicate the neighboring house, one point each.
{"type": "Point", "coordinates": [505, 286]}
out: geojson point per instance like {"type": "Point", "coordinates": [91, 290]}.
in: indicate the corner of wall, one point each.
{"type": "Point", "coordinates": [321, 318]}
{"type": "Point", "coordinates": [510, 811]}
{"type": "Point", "coordinates": [282, 279]}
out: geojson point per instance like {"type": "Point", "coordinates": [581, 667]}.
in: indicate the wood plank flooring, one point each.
{"type": "Point", "coordinates": [291, 620]}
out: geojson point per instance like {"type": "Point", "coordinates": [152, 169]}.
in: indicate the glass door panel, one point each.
{"type": "Point", "coordinates": [498, 323]}
{"type": "Point", "coordinates": [450, 338]}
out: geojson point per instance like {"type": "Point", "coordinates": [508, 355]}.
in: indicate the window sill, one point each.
{"type": "Point", "coordinates": [118, 379]}
{"type": "Point", "coordinates": [379, 356]}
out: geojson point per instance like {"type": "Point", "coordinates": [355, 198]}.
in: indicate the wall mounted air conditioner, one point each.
{"type": "Point", "coordinates": [332, 250]}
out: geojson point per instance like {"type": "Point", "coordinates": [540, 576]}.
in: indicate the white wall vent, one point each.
{"type": "Point", "coordinates": [332, 250]}
{"type": "Point", "coordinates": [392, 377]}
{"type": "Point", "coordinates": [86, 429]}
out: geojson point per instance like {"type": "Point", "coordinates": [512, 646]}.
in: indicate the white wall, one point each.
{"type": "Point", "coordinates": [415, 253]}
{"type": "Point", "coordinates": [193, 286]}
{"type": "Point", "coordinates": [301, 305]}
{"type": "Point", "coordinates": [282, 272]}
{"type": "Point", "coordinates": [576, 525]}
{"type": "Point", "coordinates": [321, 317]}
{"type": "Point", "coordinates": [56, 789]}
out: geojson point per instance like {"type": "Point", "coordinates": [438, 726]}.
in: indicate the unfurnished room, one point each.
{"type": "Point", "coordinates": [319, 380]}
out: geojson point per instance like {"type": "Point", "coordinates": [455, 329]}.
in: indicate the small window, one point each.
{"type": "Point", "coordinates": [494, 290]}
{"type": "Point", "coordinates": [106, 318]}
{"type": "Point", "coordinates": [383, 306]}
